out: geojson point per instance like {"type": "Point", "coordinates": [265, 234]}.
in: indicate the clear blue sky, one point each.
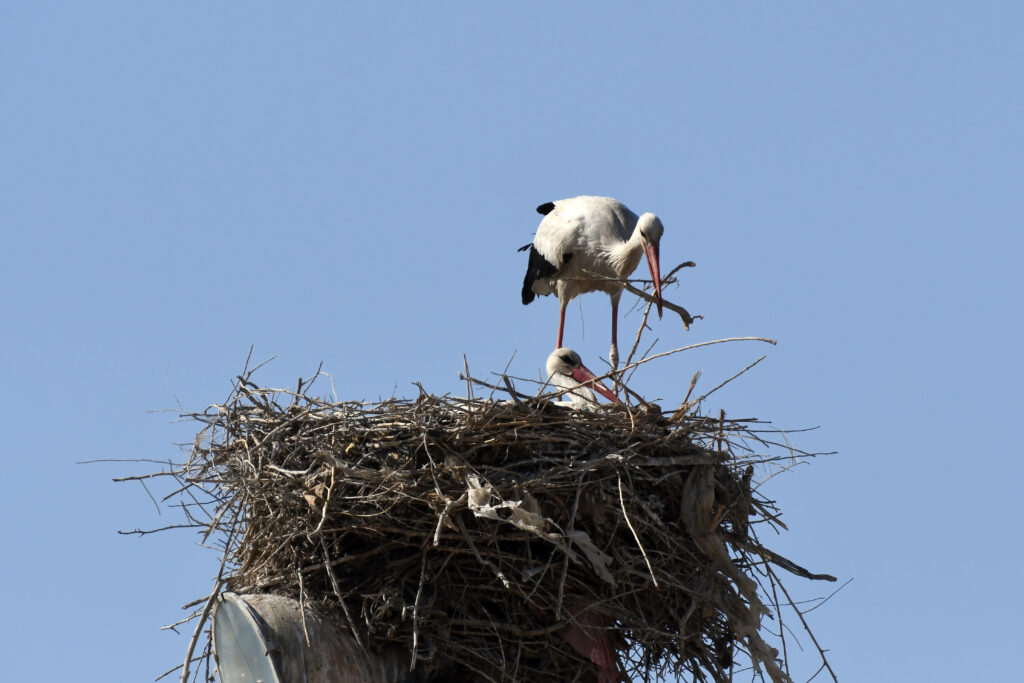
{"type": "Point", "coordinates": [349, 185]}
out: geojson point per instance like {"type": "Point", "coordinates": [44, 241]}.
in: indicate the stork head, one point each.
{"type": "Point", "coordinates": [565, 361]}
{"type": "Point", "coordinates": [650, 228]}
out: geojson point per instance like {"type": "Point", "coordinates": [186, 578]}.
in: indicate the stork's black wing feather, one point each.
{"type": "Point", "coordinates": [536, 268]}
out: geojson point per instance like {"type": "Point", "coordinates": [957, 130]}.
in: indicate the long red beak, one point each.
{"type": "Point", "coordinates": [583, 375]}
{"type": "Point", "coordinates": [653, 263]}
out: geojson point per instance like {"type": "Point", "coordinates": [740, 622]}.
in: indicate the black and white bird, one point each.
{"type": "Point", "coordinates": [567, 372]}
{"type": "Point", "coordinates": [598, 235]}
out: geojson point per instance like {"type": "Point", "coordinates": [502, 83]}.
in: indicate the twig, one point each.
{"type": "Point", "coordinates": [829, 596]}
{"type": "Point", "coordinates": [480, 558]}
{"type": "Point", "coordinates": [639, 333]}
{"type": "Point", "coordinates": [684, 407]}
{"type": "Point", "coordinates": [302, 606]}
{"type": "Point", "coordinates": [513, 392]}
{"type": "Point", "coordinates": [639, 545]}
{"type": "Point", "coordinates": [565, 556]}
{"type": "Point", "coordinates": [416, 610]}
{"type": "Point", "coordinates": [504, 377]}
{"type": "Point", "coordinates": [723, 383]}
{"type": "Point", "coordinates": [327, 501]}
{"type": "Point", "coordinates": [465, 367]}
{"type": "Point", "coordinates": [199, 628]}
{"type": "Point", "coordinates": [821, 651]}
{"type": "Point", "coordinates": [337, 592]}
{"type": "Point", "coordinates": [449, 504]}
{"type": "Point", "coordinates": [683, 313]}
{"type": "Point", "coordinates": [779, 560]}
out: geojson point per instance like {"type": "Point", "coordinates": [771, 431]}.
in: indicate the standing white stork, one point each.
{"type": "Point", "coordinates": [567, 372]}
{"type": "Point", "coordinates": [594, 234]}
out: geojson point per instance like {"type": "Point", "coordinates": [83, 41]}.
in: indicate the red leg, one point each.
{"type": "Point", "coordinates": [615, 324]}
{"type": "Point", "coordinates": [561, 324]}
{"type": "Point", "coordinates": [613, 355]}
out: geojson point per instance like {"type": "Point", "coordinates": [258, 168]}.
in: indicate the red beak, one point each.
{"type": "Point", "coordinates": [583, 375]}
{"type": "Point", "coordinates": [653, 263]}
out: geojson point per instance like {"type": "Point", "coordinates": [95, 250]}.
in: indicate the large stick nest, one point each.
{"type": "Point", "coordinates": [476, 533]}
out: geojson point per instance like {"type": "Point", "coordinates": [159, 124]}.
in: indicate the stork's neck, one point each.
{"type": "Point", "coordinates": [577, 395]}
{"type": "Point", "coordinates": [625, 256]}
{"type": "Point", "coordinates": [562, 381]}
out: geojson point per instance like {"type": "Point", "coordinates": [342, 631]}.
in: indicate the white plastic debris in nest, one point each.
{"type": "Point", "coordinates": [526, 515]}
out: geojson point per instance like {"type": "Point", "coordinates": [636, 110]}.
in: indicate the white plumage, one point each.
{"type": "Point", "coordinates": [590, 235]}
{"type": "Point", "coordinates": [567, 372]}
